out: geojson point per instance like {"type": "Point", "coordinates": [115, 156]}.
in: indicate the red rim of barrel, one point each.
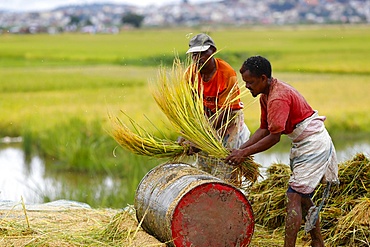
{"type": "Point", "coordinates": [188, 204]}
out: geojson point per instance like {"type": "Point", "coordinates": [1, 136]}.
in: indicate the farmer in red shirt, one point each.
{"type": "Point", "coordinates": [312, 157]}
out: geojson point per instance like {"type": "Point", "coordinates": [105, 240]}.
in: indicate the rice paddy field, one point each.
{"type": "Point", "coordinates": [49, 79]}
{"type": "Point", "coordinates": [88, 75]}
{"type": "Point", "coordinates": [58, 91]}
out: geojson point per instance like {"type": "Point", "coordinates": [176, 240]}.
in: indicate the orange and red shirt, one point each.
{"type": "Point", "coordinates": [221, 89]}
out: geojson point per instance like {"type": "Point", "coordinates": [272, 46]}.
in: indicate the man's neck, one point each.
{"type": "Point", "coordinates": [209, 68]}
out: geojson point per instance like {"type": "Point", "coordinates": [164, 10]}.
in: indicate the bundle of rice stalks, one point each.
{"type": "Point", "coordinates": [354, 178]}
{"type": "Point", "coordinates": [182, 103]}
{"type": "Point", "coordinates": [181, 100]}
{"type": "Point", "coordinates": [354, 184]}
{"type": "Point", "coordinates": [268, 197]}
{"type": "Point", "coordinates": [142, 142]}
{"type": "Point", "coordinates": [346, 200]}
{"type": "Point", "coordinates": [277, 177]}
{"type": "Point", "coordinates": [353, 228]}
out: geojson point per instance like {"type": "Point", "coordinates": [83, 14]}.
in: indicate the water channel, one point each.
{"type": "Point", "coordinates": [28, 179]}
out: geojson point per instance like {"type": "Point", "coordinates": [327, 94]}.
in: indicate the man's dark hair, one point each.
{"type": "Point", "coordinates": [257, 66]}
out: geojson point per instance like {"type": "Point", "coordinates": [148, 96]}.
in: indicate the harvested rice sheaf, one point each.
{"type": "Point", "coordinates": [353, 228]}
{"type": "Point", "coordinates": [354, 184]}
{"type": "Point", "coordinates": [142, 142]}
{"type": "Point", "coordinates": [182, 103]}
{"type": "Point", "coordinates": [345, 217]}
{"type": "Point", "coordinates": [268, 197]}
{"type": "Point", "coordinates": [354, 178]}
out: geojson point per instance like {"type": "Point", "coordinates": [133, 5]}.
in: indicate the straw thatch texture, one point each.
{"type": "Point", "coordinates": [72, 228]}
{"type": "Point", "coordinates": [347, 221]}
{"type": "Point", "coordinates": [268, 197]}
{"type": "Point", "coordinates": [345, 218]}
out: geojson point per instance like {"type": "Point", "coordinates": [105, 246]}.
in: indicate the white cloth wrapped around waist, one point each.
{"type": "Point", "coordinates": [237, 131]}
{"type": "Point", "coordinates": [312, 156]}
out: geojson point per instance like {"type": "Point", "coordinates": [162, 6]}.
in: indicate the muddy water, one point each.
{"type": "Point", "coordinates": [20, 178]}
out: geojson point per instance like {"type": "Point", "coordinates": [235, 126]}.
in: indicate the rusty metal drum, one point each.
{"type": "Point", "coordinates": [183, 206]}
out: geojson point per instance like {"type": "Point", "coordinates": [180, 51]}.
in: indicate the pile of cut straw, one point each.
{"type": "Point", "coordinates": [345, 218]}
{"type": "Point", "coordinates": [268, 197]}
{"type": "Point", "coordinates": [347, 221]}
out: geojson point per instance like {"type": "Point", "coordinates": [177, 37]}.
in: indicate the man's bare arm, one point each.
{"type": "Point", "coordinates": [238, 156]}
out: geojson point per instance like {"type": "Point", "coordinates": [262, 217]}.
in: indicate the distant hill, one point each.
{"type": "Point", "coordinates": [103, 17]}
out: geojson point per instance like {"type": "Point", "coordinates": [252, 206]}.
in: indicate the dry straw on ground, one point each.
{"type": "Point", "coordinates": [73, 227]}
{"type": "Point", "coordinates": [345, 217]}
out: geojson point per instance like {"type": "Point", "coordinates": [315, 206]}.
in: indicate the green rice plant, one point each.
{"type": "Point", "coordinates": [112, 188]}
{"type": "Point", "coordinates": [27, 140]}
{"type": "Point", "coordinates": [74, 144]}
{"type": "Point", "coordinates": [298, 48]}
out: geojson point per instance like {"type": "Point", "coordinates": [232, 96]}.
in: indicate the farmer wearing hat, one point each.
{"type": "Point", "coordinates": [218, 82]}
{"type": "Point", "coordinates": [312, 157]}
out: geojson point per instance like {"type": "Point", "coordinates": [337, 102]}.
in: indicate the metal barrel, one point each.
{"type": "Point", "coordinates": [183, 206]}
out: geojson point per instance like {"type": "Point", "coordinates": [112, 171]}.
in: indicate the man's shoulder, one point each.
{"type": "Point", "coordinates": [280, 88]}
{"type": "Point", "coordinates": [224, 66]}
{"type": "Point", "coordinates": [222, 62]}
